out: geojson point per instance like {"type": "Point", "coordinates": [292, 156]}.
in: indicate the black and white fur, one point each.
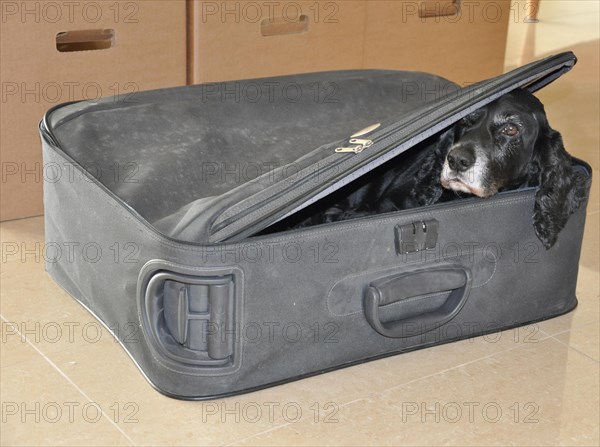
{"type": "Point", "coordinates": [507, 144]}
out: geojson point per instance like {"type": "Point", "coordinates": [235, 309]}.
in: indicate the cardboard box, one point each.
{"type": "Point", "coordinates": [106, 48]}
{"type": "Point", "coordinates": [464, 41]}
{"type": "Point", "coordinates": [461, 40]}
{"type": "Point", "coordinates": [234, 39]}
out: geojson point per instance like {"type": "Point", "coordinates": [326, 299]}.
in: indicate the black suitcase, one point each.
{"type": "Point", "coordinates": [161, 206]}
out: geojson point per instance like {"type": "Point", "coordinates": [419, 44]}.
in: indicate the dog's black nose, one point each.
{"type": "Point", "coordinates": [460, 159]}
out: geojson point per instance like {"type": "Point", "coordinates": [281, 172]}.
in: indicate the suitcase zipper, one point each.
{"type": "Point", "coordinates": [360, 145]}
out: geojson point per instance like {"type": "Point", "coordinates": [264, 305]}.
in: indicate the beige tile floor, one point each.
{"type": "Point", "coordinates": [536, 385]}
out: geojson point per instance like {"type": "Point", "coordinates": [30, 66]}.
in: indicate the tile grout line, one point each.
{"type": "Point", "coordinates": [67, 378]}
{"type": "Point", "coordinates": [576, 327]}
{"type": "Point", "coordinates": [576, 350]}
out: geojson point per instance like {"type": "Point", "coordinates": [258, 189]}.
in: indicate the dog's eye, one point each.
{"type": "Point", "coordinates": [510, 130]}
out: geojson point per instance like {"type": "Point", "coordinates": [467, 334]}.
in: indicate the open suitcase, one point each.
{"type": "Point", "coordinates": [158, 207]}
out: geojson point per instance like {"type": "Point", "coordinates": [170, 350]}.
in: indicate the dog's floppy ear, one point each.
{"type": "Point", "coordinates": [561, 189]}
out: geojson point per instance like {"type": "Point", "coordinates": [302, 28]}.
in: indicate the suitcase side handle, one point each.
{"type": "Point", "coordinates": [392, 289]}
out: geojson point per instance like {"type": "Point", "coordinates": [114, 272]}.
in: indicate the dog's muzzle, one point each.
{"type": "Point", "coordinates": [463, 171]}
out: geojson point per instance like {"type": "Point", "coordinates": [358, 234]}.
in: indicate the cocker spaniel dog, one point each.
{"type": "Point", "coordinates": [505, 145]}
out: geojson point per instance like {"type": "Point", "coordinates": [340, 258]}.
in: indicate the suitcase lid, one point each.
{"type": "Point", "coordinates": [388, 140]}
{"type": "Point", "coordinates": [81, 131]}
{"type": "Point", "coordinates": [167, 156]}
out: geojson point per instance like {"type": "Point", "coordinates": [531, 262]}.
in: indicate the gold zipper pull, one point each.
{"type": "Point", "coordinates": [366, 130]}
{"type": "Point", "coordinates": [354, 149]}
{"type": "Point", "coordinates": [363, 143]}
{"type": "Point", "coordinates": [360, 146]}
{"type": "Point", "coordinates": [360, 143]}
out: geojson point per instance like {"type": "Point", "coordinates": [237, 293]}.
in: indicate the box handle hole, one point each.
{"type": "Point", "coordinates": [85, 40]}
{"type": "Point", "coordinates": [436, 8]}
{"type": "Point", "coordinates": [280, 26]}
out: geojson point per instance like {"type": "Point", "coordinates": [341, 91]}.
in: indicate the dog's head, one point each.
{"type": "Point", "coordinates": [509, 144]}
{"type": "Point", "coordinates": [494, 145]}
